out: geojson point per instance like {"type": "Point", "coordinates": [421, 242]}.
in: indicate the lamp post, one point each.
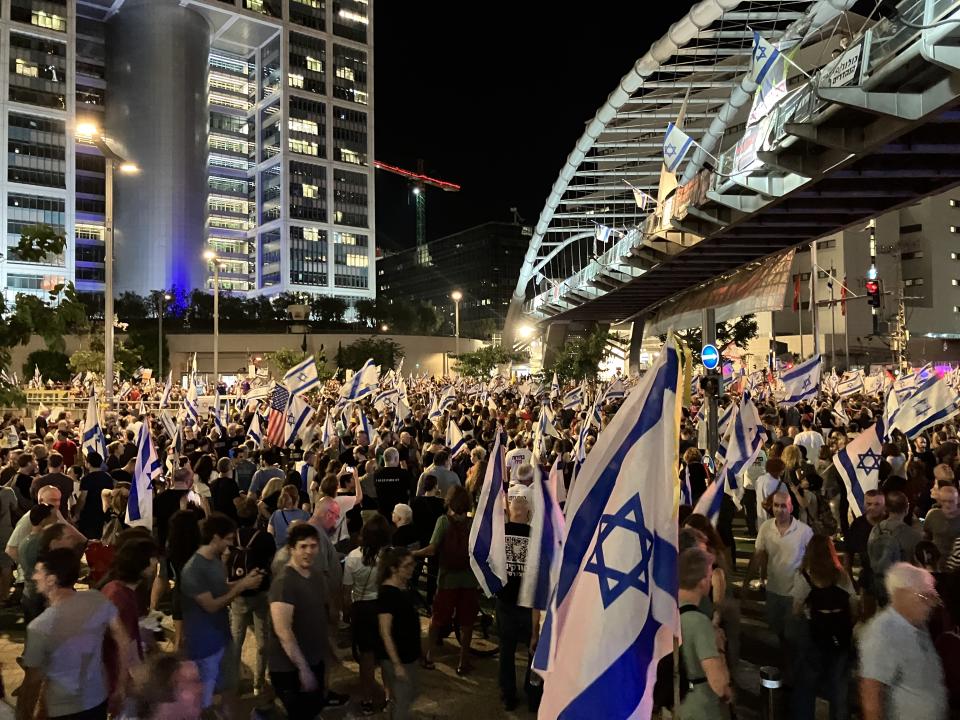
{"type": "Point", "coordinates": [114, 162]}
{"type": "Point", "coordinates": [162, 299]}
{"type": "Point", "coordinates": [211, 256]}
{"type": "Point", "coordinates": [457, 296]}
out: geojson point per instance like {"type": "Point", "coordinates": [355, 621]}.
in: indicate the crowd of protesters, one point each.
{"type": "Point", "coordinates": [296, 544]}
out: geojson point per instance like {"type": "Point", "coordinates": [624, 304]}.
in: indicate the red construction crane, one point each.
{"type": "Point", "coordinates": [419, 181]}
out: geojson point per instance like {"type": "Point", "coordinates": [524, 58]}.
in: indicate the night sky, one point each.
{"type": "Point", "coordinates": [493, 97]}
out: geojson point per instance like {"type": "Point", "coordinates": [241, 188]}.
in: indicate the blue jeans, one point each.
{"type": "Point", "coordinates": [819, 672]}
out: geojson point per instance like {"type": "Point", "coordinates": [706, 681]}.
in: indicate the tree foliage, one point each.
{"type": "Point", "coordinates": [581, 358]}
{"type": "Point", "coordinates": [38, 244]}
{"type": "Point", "coordinates": [481, 363]}
{"type": "Point", "coordinates": [53, 364]}
{"type": "Point", "coordinates": [385, 352]}
{"type": "Point", "coordinates": [127, 356]}
{"type": "Point", "coordinates": [737, 333]}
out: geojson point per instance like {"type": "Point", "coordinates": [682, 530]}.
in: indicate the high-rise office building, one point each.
{"type": "Point", "coordinates": [251, 122]}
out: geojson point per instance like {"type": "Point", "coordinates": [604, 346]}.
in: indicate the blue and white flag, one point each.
{"type": "Point", "coordinates": [255, 432]}
{"type": "Point", "coordinates": [329, 429]}
{"type": "Point", "coordinates": [299, 414]}
{"type": "Point", "coordinates": [93, 439]}
{"type": "Point", "coordinates": [545, 428]}
{"type": "Point", "coordinates": [448, 398]}
{"type": "Point", "coordinates": [146, 469]}
{"type": "Point", "coordinates": [572, 399]}
{"type": "Point", "coordinates": [931, 403]}
{"type": "Point", "coordinates": [362, 383]}
{"type": "Point", "coordinates": [615, 390]}
{"type": "Point", "coordinates": [554, 388]}
{"type": "Point", "coordinates": [802, 381]}
{"type": "Point", "coordinates": [373, 437]}
{"type": "Point", "coordinates": [859, 465]}
{"type": "Point", "coordinates": [709, 503]}
{"type": "Point", "coordinates": [217, 416]}
{"type": "Point", "coordinates": [488, 544]}
{"type": "Point", "coordinates": [301, 378]}
{"type": "Point", "coordinates": [167, 389]}
{"type": "Point", "coordinates": [545, 544]}
{"type": "Point", "coordinates": [764, 58]}
{"type": "Point", "coordinates": [743, 443]}
{"type": "Point", "coordinates": [191, 407]}
{"type": "Point", "coordinates": [455, 439]}
{"type": "Point", "coordinates": [676, 145]}
{"type": "Point", "coordinates": [840, 414]}
{"type": "Point", "coordinates": [614, 612]}
{"type": "Point", "coordinates": [390, 395]}
{"type": "Point", "coordinates": [850, 384]}
{"type": "Point", "coordinates": [602, 233]}
{"type": "Point", "coordinates": [435, 412]}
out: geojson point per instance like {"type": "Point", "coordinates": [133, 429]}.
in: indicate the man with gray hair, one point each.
{"type": "Point", "coordinates": [901, 675]}
{"type": "Point", "coordinates": [392, 482]}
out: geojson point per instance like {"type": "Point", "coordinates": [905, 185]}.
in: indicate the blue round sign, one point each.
{"type": "Point", "coordinates": [710, 357]}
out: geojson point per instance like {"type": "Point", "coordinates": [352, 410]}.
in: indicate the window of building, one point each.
{"type": "Point", "coordinates": [309, 13]}
{"type": "Point", "coordinates": [907, 229]}
{"type": "Point", "coordinates": [349, 198]}
{"type": "Point", "coordinates": [36, 151]}
{"type": "Point", "coordinates": [25, 211]}
{"type": "Point", "coordinates": [270, 194]}
{"type": "Point", "coordinates": [917, 281]}
{"type": "Point", "coordinates": [349, 74]}
{"type": "Point", "coordinates": [308, 191]}
{"type": "Point", "coordinates": [270, 8]}
{"type": "Point", "coordinates": [47, 14]}
{"type": "Point", "coordinates": [913, 255]}
{"type": "Point", "coordinates": [308, 60]}
{"type": "Point", "coordinates": [90, 253]}
{"type": "Point", "coordinates": [350, 19]}
{"type": "Point", "coordinates": [308, 256]}
{"type": "Point", "coordinates": [351, 260]}
{"type": "Point", "coordinates": [270, 77]}
{"type": "Point", "coordinates": [826, 244]}
{"type": "Point", "coordinates": [270, 258]}
{"type": "Point", "coordinates": [307, 126]}
{"type": "Point", "coordinates": [38, 73]}
{"type": "Point", "coordinates": [350, 136]}
{"type": "Point", "coordinates": [18, 281]}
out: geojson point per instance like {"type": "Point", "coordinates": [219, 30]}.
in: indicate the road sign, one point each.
{"type": "Point", "coordinates": [710, 357]}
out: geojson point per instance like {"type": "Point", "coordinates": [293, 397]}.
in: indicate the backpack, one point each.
{"type": "Point", "coordinates": [663, 686]}
{"type": "Point", "coordinates": [831, 624]}
{"type": "Point", "coordinates": [455, 547]}
{"type": "Point", "coordinates": [883, 551]}
{"type": "Point", "coordinates": [240, 561]}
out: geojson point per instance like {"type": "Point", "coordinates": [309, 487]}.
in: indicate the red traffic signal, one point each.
{"type": "Point", "coordinates": [873, 292]}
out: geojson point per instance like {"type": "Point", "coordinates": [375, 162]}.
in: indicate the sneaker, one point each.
{"type": "Point", "coordinates": [335, 699]}
{"type": "Point", "coordinates": [367, 708]}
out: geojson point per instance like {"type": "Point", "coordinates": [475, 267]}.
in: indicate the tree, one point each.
{"type": "Point", "coordinates": [481, 363]}
{"type": "Point", "coordinates": [385, 352]}
{"type": "Point", "coordinates": [581, 358]}
{"type": "Point", "coordinates": [282, 301]}
{"type": "Point", "coordinates": [127, 356]}
{"type": "Point", "coordinates": [38, 244]}
{"type": "Point", "coordinates": [366, 312]}
{"type": "Point", "coordinates": [729, 334]}
{"type": "Point", "coordinates": [285, 358]}
{"type": "Point", "coordinates": [132, 308]}
{"type": "Point", "coordinates": [54, 365]}
{"type": "Point", "coordinates": [428, 318]}
{"type": "Point", "coordinates": [61, 314]}
{"type": "Point", "coordinates": [327, 309]}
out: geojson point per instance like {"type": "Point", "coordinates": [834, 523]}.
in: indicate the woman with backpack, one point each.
{"type": "Point", "coordinates": [457, 590]}
{"type": "Point", "coordinates": [825, 602]}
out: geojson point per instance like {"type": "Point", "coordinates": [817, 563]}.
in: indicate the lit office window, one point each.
{"type": "Point", "coordinates": [350, 74]}
{"type": "Point", "coordinates": [350, 19]}
{"type": "Point", "coordinates": [349, 198]}
{"type": "Point", "coordinates": [350, 136]}
{"type": "Point", "coordinates": [308, 256]}
{"type": "Point", "coordinates": [36, 151]}
{"type": "Point", "coordinates": [309, 13]}
{"type": "Point", "coordinates": [37, 71]}
{"type": "Point", "coordinates": [308, 59]}
{"type": "Point", "coordinates": [351, 260]}
{"type": "Point", "coordinates": [308, 191]}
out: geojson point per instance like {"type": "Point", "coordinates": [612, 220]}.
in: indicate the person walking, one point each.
{"type": "Point", "coordinates": [399, 630]}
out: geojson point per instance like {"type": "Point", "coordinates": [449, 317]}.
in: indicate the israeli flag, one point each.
{"type": "Point", "coordinates": [435, 411]}
{"type": "Point", "coordinates": [403, 411]}
{"type": "Point", "coordinates": [614, 613]}
{"type": "Point", "coordinates": [362, 383]}
{"type": "Point", "coordinates": [676, 145]}
{"type": "Point", "coordinates": [299, 414]}
{"type": "Point", "coordinates": [215, 413]}
{"type": "Point", "coordinates": [851, 384]}
{"type": "Point", "coordinates": [932, 403]}
{"type": "Point", "coordinates": [602, 233]}
{"type": "Point", "coordinates": [709, 503]}
{"type": "Point", "coordinates": [373, 437]}
{"type": "Point", "coordinates": [764, 58]}
{"type": "Point", "coordinates": [390, 395]}
{"type": "Point", "coordinates": [145, 471]}
{"type": "Point", "coordinates": [93, 439]}
{"type": "Point", "coordinates": [301, 378]}
{"type": "Point", "coordinates": [859, 465]}
{"type": "Point", "coordinates": [572, 399]}
{"type": "Point", "coordinates": [455, 440]}
{"type": "Point", "coordinates": [554, 388]}
{"type": "Point", "coordinates": [545, 544]}
{"type": "Point", "coordinates": [488, 548]}
{"type": "Point", "coordinates": [329, 429]}
{"type": "Point", "coordinates": [191, 407]}
{"type": "Point", "coordinates": [447, 399]}
{"type": "Point", "coordinates": [255, 432]}
{"type": "Point", "coordinates": [801, 382]}
{"type": "Point", "coordinates": [167, 389]}
{"type": "Point", "coordinates": [545, 427]}
{"type": "Point", "coordinates": [839, 413]}
{"type": "Point", "coordinates": [743, 443]}
{"type": "Point", "coordinates": [615, 390]}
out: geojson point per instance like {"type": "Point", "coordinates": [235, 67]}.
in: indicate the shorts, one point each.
{"type": "Point", "coordinates": [364, 626]}
{"type": "Point", "coordinates": [464, 603]}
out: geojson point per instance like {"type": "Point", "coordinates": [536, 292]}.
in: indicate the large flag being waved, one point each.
{"type": "Point", "coordinates": [859, 465]}
{"type": "Point", "coordinates": [931, 403]}
{"type": "Point", "coordinates": [544, 545]}
{"type": "Point", "coordinates": [676, 145]}
{"type": "Point", "coordinates": [165, 397]}
{"type": "Point", "coordinates": [614, 610]}
{"type": "Point", "coordinates": [301, 378]}
{"type": "Point", "coordinates": [93, 439]}
{"type": "Point", "coordinates": [554, 388]}
{"type": "Point", "coordinates": [802, 381]}
{"type": "Point", "coordinates": [191, 405]}
{"type": "Point", "coordinates": [488, 550]}
{"type": "Point", "coordinates": [299, 414]}
{"type": "Point", "coordinates": [329, 429]}
{"type": "Point", "coordinates": [573, 399]}
{"type": "Point", "coordinates": [362, 383]}
{"type": "Point", "coordinates": [765, 58]}
{"type": "Point", "coordinates": [145, 471]}
{"type": "Point", "coordinates": [277, 415]}
{"type": "Point", "coordinates": [743, 443]}
{"type": "Point", "coordinates": [455, 439]}
{"type": "Point", "coordinates": [850, 384]}
{"type": "Point", "coordinates": [255, 432]}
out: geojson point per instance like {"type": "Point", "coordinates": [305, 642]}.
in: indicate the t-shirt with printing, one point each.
{"type": "Point", "coordinates": [405, 625]}
{"type": "Point", "coordinates": [92, 517]}
{"type": "Point", "coordinates": [66, 642]}
{"type": "Point", "coordinates": [517, 457]}
{"type": "Point", "coordinates": [517, 537]}
{"type": "Point", "coordinates": [393, 487]}
{"type": "Point", "coordinates": [306, 595]}
{"type": "Point", "coordinates": [204, 633]}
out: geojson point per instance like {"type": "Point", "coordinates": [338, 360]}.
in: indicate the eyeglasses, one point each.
{"type": "Point", "coordinates": [930, 598]}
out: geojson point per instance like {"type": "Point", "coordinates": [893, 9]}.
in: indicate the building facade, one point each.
{"type": "Point", "coordinates": [481, 263]}
{"type": "Point", "coordinates": [251, 122]}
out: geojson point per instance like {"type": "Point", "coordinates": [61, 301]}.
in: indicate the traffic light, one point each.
{"type": "Point", "coordinates": [873, 293]}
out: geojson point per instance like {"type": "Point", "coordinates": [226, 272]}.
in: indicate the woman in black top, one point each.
{"type": "Point", "coordinates": [399, 629]}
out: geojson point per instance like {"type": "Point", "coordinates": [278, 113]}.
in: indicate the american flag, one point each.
{"type": "Point", "coordinates": [277, 415]}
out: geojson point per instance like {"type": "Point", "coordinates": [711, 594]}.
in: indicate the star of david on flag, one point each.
{"type": "Point", "coordinates": [302, 377]}
{"type": "Point", "coordinates": [614, 613]}
{"type": "Point", "coordinates": [676, 145]}
{"type": "Point", "coordinates": [764, 58]}
{"type": "Point", "coordinates": [859, 465]}
{"type": "Point", "coordinates": [934, 401]}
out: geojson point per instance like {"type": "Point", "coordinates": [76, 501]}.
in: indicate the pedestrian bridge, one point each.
{"type": "Point", "coordinates": [858, 121]}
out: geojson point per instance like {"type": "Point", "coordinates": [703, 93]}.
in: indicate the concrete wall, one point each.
{"type": "Point", "coordinates": [421, 353]}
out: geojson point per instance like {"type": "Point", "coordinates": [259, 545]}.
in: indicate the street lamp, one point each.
{"type": "Point", "coordinates": [164, 297]}
{"type": "Point", "coordinates": [211, 256]}
{"type": "Point", "coordinates": [91, 133]}
{"type": "Point", "coordinates": [457, 296]}
{"type": "Point", "coordinates": [384, 328]}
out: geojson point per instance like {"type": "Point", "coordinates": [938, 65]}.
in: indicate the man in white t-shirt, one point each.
{"type": "Point", "coordinates": [810, 439]}
{"type": "Point", "coordinates": [749, 480]}
{"type": "Point", "coordinates": [767, 484]}
{"type": "Point", "coordinates": [520, 455]}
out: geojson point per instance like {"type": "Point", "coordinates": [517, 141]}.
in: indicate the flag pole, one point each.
{"type": "Point", "coordinates": [800, 321]}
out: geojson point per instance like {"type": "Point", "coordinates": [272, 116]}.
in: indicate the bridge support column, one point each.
{"type": "Point", "coordinates": [556, 336]}
{"type": "Point", "coordinates": [636, 343]}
